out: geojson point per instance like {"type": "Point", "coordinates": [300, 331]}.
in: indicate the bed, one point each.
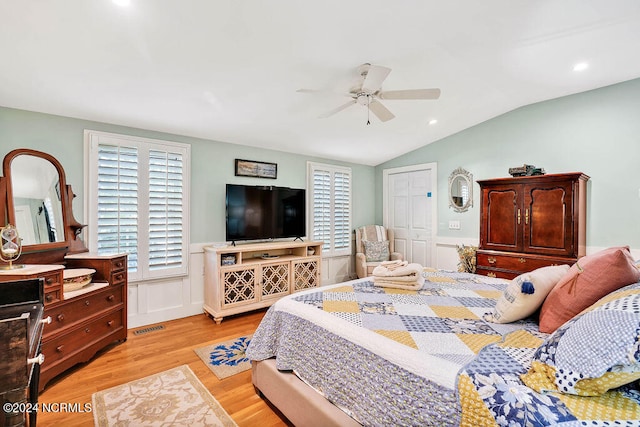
{"type": "Point", "coordinates": [356, 353]}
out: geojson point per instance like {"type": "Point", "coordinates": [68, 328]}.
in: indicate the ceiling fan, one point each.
{"type": "Point", "coordinates": [369, 93]}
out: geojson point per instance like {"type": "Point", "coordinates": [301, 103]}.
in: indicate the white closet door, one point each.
{"type": "Point", "coordinates": [409, 212]}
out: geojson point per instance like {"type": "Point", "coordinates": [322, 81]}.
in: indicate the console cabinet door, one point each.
{"type": "Point", "coordinates": [548, 218]}
{"type": "Point", "coordinates": [501, 218]}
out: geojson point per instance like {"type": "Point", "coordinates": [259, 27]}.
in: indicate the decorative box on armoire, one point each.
{"type": "Point", "coordinates": [530, 222]}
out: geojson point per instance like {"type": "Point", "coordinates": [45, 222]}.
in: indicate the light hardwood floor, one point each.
{"type": "Point", "coordinates": [157, 351]}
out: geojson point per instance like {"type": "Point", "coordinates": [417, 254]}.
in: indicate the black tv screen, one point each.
{"type": "Point", "coordinates": [264, 212]}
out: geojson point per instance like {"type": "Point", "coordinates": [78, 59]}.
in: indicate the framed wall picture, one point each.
{"type": "Point", "coordinates": [256, 169]}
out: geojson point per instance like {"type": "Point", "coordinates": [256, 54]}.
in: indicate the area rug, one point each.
{"type": "Point", "coordinates": [226, 358]}
{"type": "Point", "coordinates": [170, 398]}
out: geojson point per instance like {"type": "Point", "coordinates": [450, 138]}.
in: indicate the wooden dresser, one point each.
{"type": "Point", "coordinates": [83, 321]}
{"type": "Point", "coordinates": [86, 320]}
{"type": "Point", "coordinates": [530, 222]}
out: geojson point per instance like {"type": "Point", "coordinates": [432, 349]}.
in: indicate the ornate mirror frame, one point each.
{"type": "Point", "coordinates": [460, 190]}
{"type": "Point", "coordinates": [50, 252]}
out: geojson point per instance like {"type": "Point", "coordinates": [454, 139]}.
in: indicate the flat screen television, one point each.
{"type": "Point", "coordinates": [264, 212]}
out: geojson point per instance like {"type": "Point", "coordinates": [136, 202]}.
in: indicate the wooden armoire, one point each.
{"type": "Point", "coordinates": [530, 222]}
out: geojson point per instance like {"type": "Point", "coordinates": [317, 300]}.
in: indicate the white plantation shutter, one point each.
{"type": "Point", "coordinates": [165, 210]}
{"type": "Point", "coordinates": [330, 207]}
{"type": "Point", "coordinates": [342, 210]}
{"type": "Point", "coordinates": [142, 188]}
{"type": "Point", "coordinates": [321, 212]}
{"type": "Point", "coordinates": [117, 209]}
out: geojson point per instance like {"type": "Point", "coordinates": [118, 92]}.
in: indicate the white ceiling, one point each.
{"type": "Point", "coordinates": [229, 70]}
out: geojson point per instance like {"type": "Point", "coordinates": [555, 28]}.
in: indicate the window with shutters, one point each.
{"type": "Point", "coordinates": [329, 189]}
{"type": "Point", "coordinates": [138, 202]}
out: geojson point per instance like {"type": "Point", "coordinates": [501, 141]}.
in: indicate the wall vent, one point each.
{"type": "Point", "coordinates": [149, 329]}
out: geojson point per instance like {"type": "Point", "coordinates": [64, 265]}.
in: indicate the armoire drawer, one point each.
{"type": "Point", "coordinates": [78, 309]}
{"type": "Point", "coordinates": [518, 262]}
{"type": "Point", "coordinates": [82, 336]}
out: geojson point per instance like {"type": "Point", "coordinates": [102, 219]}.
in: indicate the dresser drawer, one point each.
{"type": "Point", "coordinates": [118, 277]}
{"type": "Point", "coordinates": [66, 344]}
{"type": "Point", "coordinates": [52, 295]}
{"type": "Point", "coordinates": [119, 264]}
{"type": "Point", "coordinates": [79, 308]}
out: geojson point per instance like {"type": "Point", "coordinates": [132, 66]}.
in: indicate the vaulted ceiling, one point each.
{"type": "Point", "coordinates": [230, 70]}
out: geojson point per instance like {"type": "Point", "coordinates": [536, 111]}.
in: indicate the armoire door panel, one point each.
{"type": "Point", "coordinates": [548, 220]}
{"type": "Point", "coordinates": [502, 218]}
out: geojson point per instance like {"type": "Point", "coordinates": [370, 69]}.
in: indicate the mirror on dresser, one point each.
{"type": "Point", "coordinates": [87, 316]}
{"type": "Point", "coordinates": [38, 202]}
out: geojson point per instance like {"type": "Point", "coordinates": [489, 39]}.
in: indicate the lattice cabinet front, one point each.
{"type": "Point", "coordinates": [306, 274]}
{"type": "Point", "coordinates": [275, 280]}
{"type": "Point", "coordinates": [239, 286]}
{"type": "Point", "coordinates": [251, 276]}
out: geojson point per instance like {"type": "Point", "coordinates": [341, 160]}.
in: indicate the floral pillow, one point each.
{"type": "Point", "coordinates": [596, 351]}
{"type": "Point", "coordinates": [376, 251]}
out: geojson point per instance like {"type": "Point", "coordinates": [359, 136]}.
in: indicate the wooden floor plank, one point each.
{"type": "Point", "coordinates": [156, 351]}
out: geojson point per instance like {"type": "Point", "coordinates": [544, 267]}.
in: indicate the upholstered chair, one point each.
{"type": "Point", "coordinates": [374, 244]}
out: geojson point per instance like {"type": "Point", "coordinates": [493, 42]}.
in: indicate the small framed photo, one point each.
{"type": "Point", "coordinates": [256, 169]}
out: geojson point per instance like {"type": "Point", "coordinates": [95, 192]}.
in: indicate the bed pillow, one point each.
{"type": "Point", "coordinates": [588, 280]}
{"type": "Point", "coordinates": [376, 251]}
{"type": "Point", "coordinates": [596, 351]}
{"type": "Point", "coordinates": [525, 294]}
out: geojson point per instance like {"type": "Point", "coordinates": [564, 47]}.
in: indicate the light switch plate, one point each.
{"type": "Point", "coordinates": [454, 225]}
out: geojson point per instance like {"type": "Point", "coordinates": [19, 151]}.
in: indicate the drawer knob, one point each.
{"type": "Point", "coordinates": [49, 280]}
{"type": "Point", "coordinates": [60, 317]}
{"type": "Point", "coordinates": [110, 323]}
{"type": "Point", "coordinates": [87, 330]}
{"type": "Point", "coordinates": [522, 260]}
{"type": "Point", "coordinates": [49, 297]}
{"type": "Point", "coordinates": [87, 302]}
{"type": "Point", "coordinates": [491, 260]}
{"type": "Point", "coordinates": [46, 320]}
{"type": "Point", "coordinates": [110, 298]}
{"type": "Point", "coordinates": [60, 348]}
{"type": "Point", "coordinates": [119, 264]}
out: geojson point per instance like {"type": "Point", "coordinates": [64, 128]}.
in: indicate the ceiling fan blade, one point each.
{"type": "Point", "coordinates": [337, 110]}
{"type": "Point", "coordinates": [375, 76]}
{"type": "Point", "coordinates": [380, 111]}
{"type": "Point", "coordinates": [410, 94]}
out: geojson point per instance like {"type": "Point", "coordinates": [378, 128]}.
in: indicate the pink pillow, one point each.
{"type": "Point", "coordinates": [588, 280]}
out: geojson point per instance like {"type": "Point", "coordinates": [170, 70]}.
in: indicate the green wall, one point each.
{"type": "Point", "coordinates": [595, 132]}
{"type": "Point", "coordinates": [212, 165]}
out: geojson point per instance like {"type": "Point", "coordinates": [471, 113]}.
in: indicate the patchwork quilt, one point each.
{"type": "Point", "coordinates": [398, 357]}
{"type": "Point", "coordinates": [492, 393]}
{"type": "Point", "coordinates": [385, 355]}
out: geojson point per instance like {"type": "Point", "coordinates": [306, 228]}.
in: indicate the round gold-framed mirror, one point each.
{"type": "Point", "coordinates": [460, 190]}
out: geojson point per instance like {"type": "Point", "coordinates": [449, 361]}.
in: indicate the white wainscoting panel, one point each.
{"type": "Point", "coordinates": [173, 298]}
{"type": "Point", "coordinates": [446, 253]}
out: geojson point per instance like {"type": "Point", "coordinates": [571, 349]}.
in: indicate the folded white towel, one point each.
{"type": "Point", "coordinates": [415, 283]}
{"type": "Point", "coordinates": [404, 270]}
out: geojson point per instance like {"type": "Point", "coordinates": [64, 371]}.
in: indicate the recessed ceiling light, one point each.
{"type": "Point", "coordinates": [122, 3]}
{"type": "Point", "coordinates": [433, 121]}
{"type": "Point", "coordinates": [580, 66]}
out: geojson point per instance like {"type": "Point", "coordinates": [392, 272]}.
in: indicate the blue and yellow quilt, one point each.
{"type": "Point", "coordinates": [388, 356]}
